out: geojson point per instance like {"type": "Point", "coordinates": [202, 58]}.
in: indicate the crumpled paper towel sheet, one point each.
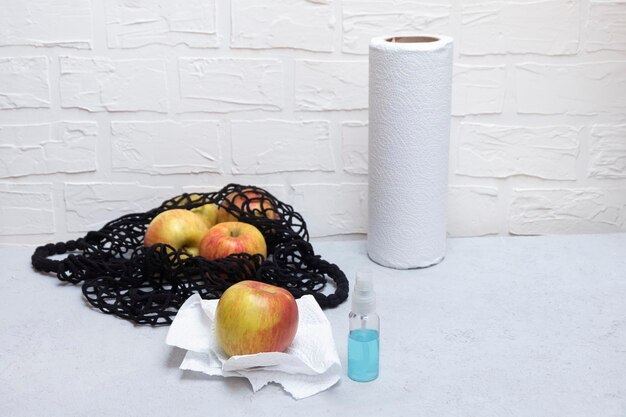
{"type": "Point", "coordinates": [310, 365]}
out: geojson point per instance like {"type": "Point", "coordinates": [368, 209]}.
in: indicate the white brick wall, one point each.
{"type": "Point", "coordinates": [52, 23]}
{"type": "Point", "coordinates": [478, 89]}
{"type": "Point", "coordinates": [582, 89]}
{"type": "Point", "coordinates": [606, 26]}
{"type": "Point", "coordinates": [222, 85]}
{"type": "Point", "coordinates": [496, 151]}
{"type": "Point", "coordinates": [344, 207]}
{"type": "Point", "coordinates": [331, 85]}
{"type": "Point", "coordinates": [607, 150]}
{"type": "Point", "coordinates": [161, 22]}
{"type": "Point", "coordinates": [47, 148]}
{"type": "Point", "coordinates": [585, 210]}
{"type": "Point", "coordinates": [274, 146]}
{"type": "Point", "coordinates": [27, 209]}
{"type": "Point", "coordinates": [471, 210]}
{"type": "Point", "coordinates": [90, 205]}
{"type": "Point", "coordinates": [154, 147]}
{"type": "Point", "coordinates": [104, 84]}
{"type": "Point", "coordinates": [364, 19]}
{"type": "Point", "coordinates": [354, 147]}
{"type": "Point", "coordinates": [24, 82]}
{"type": "Point", "coordinates": [108, 107]}
{"type": "Point", "coordinates": [298, 24]}
{"type": "Point", "coordinates": [548, 27]}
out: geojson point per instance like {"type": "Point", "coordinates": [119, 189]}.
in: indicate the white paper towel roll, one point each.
{"type": "Point", "coordinates": [409, 131]}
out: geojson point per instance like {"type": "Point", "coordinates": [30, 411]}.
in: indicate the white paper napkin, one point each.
{"type": "Point", "coordinates": [310, 365]}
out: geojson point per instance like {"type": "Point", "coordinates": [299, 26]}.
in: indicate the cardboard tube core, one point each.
{"type": "Point", "coordinates": [412, 39]}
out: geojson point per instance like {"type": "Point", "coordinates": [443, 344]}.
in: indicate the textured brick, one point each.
{"type": "Point", "coordinates": [606, 26]}
{"type": "Point", "coordinates": [344, 207]}
{"type": "Point", "coordinates": [561, 211]}
{"type": "Point", "coordinates": [301, 24]}
{"type": "Point", "coordinates": [502, 151]}
{"type": "Point", "coordinates": [267, 146]}
{"type": "Point", "coordinates": [354, 147]}
{"type": "Point", "coordinates": [331, 85]}
{"type": "Point", "coordinates": [89, 206]}
{"type": "Point", "coordinates": [165, 22]}
{"type": "Point", "coordinates": [46, 23]}
{"type": "Point", "coordinates": [24, 82]}
{"type": "Point", "coordinates": [201, 188]}
{"type": "Point", "coordinates": [103, 84]}
{"type": "Point", "coordinates": [47, 148]}
{"type": "Point", "coordinates": [228, 84]}
{"type": "Point", "coordinates": [364, 19]}
{"type": "Point", "coordinates": [542, 27]}
{"type": "Point", "coordinates": [285, 59]}
{"type": "Point", "coordinates": [27, 209]}
{"type": "Point", "coordinates": [472, 211]}
{"type": "Point", "coordinates": [166, 147]}
{"type": "Point", "coordinates": [280, 191]}
{"type": "Point", "coordinates": [607, 149]}
{"type": "Point", "coordinates": [478, 89]}
{"type": "Point", "coordinates": [577, 89]}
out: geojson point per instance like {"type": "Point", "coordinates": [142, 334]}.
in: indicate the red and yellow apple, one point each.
{"type": "Point", "coordinates": [179, 228]}
{"type": "Point", "coordinates": [249, 201]}
{"type": "Point", "coordinates": [229, 238]}
{"type": "Point", "coordinates": [253, 317]}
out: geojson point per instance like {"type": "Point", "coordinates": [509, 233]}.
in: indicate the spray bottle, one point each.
{"type": "Point", "coordinates": [363, 340]}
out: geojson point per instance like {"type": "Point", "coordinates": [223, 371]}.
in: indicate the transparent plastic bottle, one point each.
{"type": "Point", "coordinates": [364, 337]}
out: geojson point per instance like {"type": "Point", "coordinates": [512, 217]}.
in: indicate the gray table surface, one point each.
{"type": "Point", "coordinates": [505, 326]}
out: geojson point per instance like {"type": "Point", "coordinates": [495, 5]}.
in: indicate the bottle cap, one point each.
{"type": "Point", "coordinates": [363, 296]}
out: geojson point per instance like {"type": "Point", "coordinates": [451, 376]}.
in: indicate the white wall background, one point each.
{"type": "Point", "coordinates": [110, 106]}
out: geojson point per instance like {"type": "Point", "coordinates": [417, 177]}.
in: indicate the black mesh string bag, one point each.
{"type": "Point", "coordinates": [147, 285]}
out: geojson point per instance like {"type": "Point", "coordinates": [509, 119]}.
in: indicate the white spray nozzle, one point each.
{"type": "Point", "coordinates": [363, 296]}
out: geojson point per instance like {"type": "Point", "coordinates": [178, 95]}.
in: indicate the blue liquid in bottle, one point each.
{"type": "Point", "coordinates": [363, 345]}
